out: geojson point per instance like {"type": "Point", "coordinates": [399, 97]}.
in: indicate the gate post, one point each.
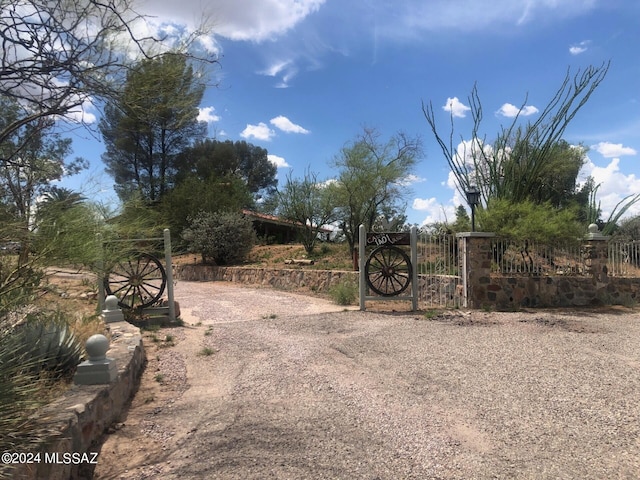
{"type": "Point", "coordinates": [167, 259]}
{"type": "Point", "coordinates": [414, 268]}
{"type": "Point", "coordinates": [595, 253]}
{"type": "Point", "coordinates": [362, 241]}
{"type": "Point", "coordinates": [475, 266]}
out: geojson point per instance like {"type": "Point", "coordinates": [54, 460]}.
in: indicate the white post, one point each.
{"type": "Point", "coordinates": [414, 269]}
{"type": "Point", "coordinates": [167, 260]}
{"type": "Point", "coordinates": [362, 241]}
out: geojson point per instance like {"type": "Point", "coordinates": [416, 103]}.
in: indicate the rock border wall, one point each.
{"type": "Point", "coordinates": [285, 278]}
{"type": "Point", "coordinates": [84, 412]}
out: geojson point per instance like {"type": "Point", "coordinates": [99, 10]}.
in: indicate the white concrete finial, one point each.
{"type": "Point", "coordinates": [97, 346]}
{"type": "Point", "coordinates": [111, 303]}
{"type": "Point", "coordinates": [98, 369]}
{"type": "Point", "coordinates": [112, 312]}
{"type": "Point", "coordinates": [593, 228]}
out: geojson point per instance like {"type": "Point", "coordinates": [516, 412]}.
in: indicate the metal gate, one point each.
{"type": "Point", "coordinates": [439, 277]}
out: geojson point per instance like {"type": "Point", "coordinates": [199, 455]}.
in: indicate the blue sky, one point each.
{"type": "Point", "coordinates": [303, 77]}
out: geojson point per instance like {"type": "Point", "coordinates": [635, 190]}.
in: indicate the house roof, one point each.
{"type": "Point", "coordinates": [264, 217]}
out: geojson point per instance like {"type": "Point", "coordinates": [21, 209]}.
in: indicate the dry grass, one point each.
{"type": "Point", "coordinates": [327, 256]}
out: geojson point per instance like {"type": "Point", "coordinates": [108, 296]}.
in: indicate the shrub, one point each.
{"type": "Point", "coordinates": [344, 293]}
{"type": "Point", "coordinates": [526, 220]}
{"type": "Point", "coordinates": [222, 238]}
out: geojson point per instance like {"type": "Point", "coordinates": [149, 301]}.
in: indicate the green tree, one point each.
{"type": "Point", "coordinates": [153, 120]}
{"type": "Point", "coordinates": [463, 221]}
{"type": "Point", "coordinates": [307, 202]}
{"type": "Point", "coordinates": [59, 55]}
{"type": "Point", "coordinates": [629, 229]}
{"type": "Point", "coordinates": [371, 176]}
{"type": "Point", "coordinates": [220, 159]}
{"type": "Point", "coordinates": [213, 194]}
{"type": "Point", "coordinates": [38, 157]}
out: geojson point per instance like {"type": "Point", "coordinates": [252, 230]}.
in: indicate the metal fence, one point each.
{"type": "Point", "coordinates": [438, 270]}
{"type": "Point", "coordinates": [529, 258]}
{"type": "Point", "coordinates": [624, 259]}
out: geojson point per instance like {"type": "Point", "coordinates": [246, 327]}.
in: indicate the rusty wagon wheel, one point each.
{"type": "Point", "coordinates": [388, 270]}
{"type": "Point", "coordinates": [138, 283]}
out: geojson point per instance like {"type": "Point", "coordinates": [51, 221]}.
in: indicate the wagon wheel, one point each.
{"type": "Point", "coordinates": [137, 283]}
{"type": "Point", "coordinates": [388, 271]}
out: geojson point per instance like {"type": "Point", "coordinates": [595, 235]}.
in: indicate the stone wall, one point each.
{"type": "Point", "coordinates": [507, 293]}
{"type": "Point", "coordinates": [285, 278]}
{"type": "Point", "coordinates": [83, 413]}
{"type": "Point", "coordinates": [483, 289]}
{"type": "Point", "coordinates": [478, 287]}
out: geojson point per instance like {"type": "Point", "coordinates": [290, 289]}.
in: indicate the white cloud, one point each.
{"type": "Point", "coordinates": [275, 68]}
{"type": "Point", "coordinates": [285, 69]}
{"type": "Point", "coordinates": [83, 113]}
{"type": "Point", "coordinates": [614, 185]}
{"type": "Point", "coordinates": [259, 20]}
{"type": "Point", "coordinates": [410, 180]}
{"type": "Point", "coordinates": [456, 107]}
{"type": "Point", "coordinates": [422, 204]}
{"type": "Point", "coordinates": [206, 115]}
{"type": "Point", "coordinates": [610, 150]}
{"type": "Point", "coordinates": [407, 18]}
{"type": "Point", "coordinates": [579, 48]}
{"type": "Point", "coordinates": [279, 162]}
{"type": "Point", "coordinates": [259, 132]}
{"type": "Point", "coordinates": [286, 125]}
{"type": "Point", "coordinates": [511, 111]}
{"type": "Point", "coordinates": [435, 211]}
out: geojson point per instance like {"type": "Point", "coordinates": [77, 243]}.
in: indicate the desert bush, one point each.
{"type": "Point", "coordinates": [344, 293]}
{"type": "Point", "coordinates": [221, 238]}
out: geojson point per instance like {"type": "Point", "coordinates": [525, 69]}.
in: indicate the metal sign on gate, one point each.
{"type": "Point", "coordinates": [388, 271]}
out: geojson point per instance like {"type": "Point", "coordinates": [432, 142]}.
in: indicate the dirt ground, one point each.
{"type": "Point", "coordinates": [268, 384]}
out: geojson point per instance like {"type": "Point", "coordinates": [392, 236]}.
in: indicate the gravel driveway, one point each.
{"type": "Point", "coordinates": [263, 384]}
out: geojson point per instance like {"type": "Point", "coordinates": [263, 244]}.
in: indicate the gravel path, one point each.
{"type": "Point", "coordinates": [264, 384]}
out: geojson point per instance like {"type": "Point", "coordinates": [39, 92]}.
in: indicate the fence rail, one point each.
{"type": "Point", "coordinates": [528, 258]}
{"type": "Point", "coordinates": [624, 259]}
{"type": "Point", "coordinates": [438, 270]}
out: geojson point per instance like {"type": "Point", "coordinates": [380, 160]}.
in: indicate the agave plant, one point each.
{"type": "Point", "coordinates": [48, 343]}
{"type": "Point", "coordinates": [31, 353]}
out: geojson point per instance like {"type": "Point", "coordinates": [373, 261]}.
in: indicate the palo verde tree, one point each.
{"type": "Point", "coordinates": [371, 176]}
{"type": "Point", "coordinates": [309, 203]}
{"type": "Point", "coordinates": [154, 118]}
{"type": "Point", "coordinates": [527, 164]}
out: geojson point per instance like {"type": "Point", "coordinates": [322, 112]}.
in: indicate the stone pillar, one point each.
{"type": "Point", "coordinates": [475, 266]}
{"type": "Point", "coordinates": [595, 251]}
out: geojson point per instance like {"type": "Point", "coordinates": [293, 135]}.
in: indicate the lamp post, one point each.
{"type": "Point", "coordinates": [473, 198]}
